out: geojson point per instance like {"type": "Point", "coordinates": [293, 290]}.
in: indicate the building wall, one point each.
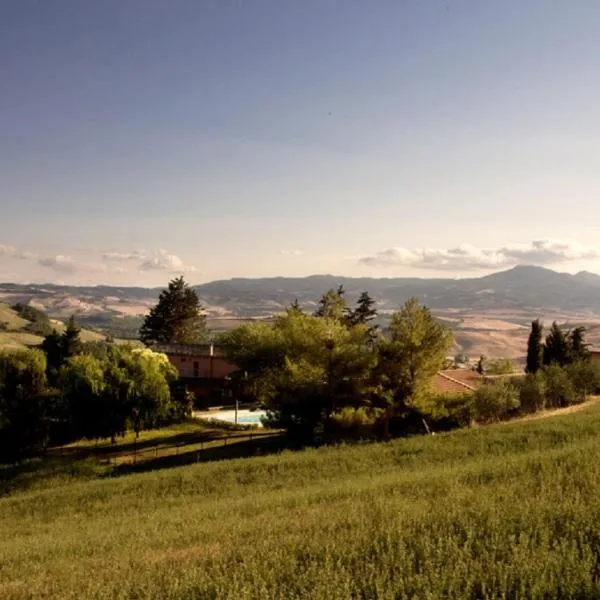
{"type": "Point", "coordinates": [204, 367]}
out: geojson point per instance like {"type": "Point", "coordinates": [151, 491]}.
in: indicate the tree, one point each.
{"type": "Point", "coordinates": [413, 354]}
{"type": "Point", "coordinates": [333, 305]}
{"type": "Point", "coordinates": [535, 348]}
{"type": "Point", "coordinates": [364, 312]}
{"type": "Point", "coordinates": [71, 339]}
{"type": "Point", "coordinates": [295, 308]}
{"type": "Point", "coordinates": [23, 406]}
{"type": "Point", "coordinates": [480, 368]}
{"type": "Point", "coordinates": [177, 318]}
{"type": "Point", "coordinates": [500, 366]}
{"type": "Point", "coordinates": [577, 346]}
{"type": "Point", "coordinates": [304, 369]}
{"type": "Point", "coordinates": [60, 347]}
{"type": "Point", "coordinates": [495, 401]}
{"type": "Point", "coordinates": [556, 349]}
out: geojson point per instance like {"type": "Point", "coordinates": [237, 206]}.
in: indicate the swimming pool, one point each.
{"type": "Point", "coordinates": [244, 416]}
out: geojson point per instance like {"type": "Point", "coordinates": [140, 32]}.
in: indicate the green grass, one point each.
{"type": "Point", "coordinates": [507, 511]}
{"type": "Point", "coordinates": [11, 318]}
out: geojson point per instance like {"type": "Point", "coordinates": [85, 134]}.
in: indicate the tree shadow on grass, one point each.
{"type": "Point", "coordinates": [259, 446]}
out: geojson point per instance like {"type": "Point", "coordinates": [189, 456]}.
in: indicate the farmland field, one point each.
{"type": "Point", "coordinates": [507, 511]}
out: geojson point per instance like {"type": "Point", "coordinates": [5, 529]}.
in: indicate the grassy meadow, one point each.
{"type": "Point", "coordinates": [505, 511]}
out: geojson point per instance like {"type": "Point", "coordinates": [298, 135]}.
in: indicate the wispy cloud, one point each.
{"type": "Point", "coordinates": [466, 257]}
{"type": "Point", "coordinates": [125, 256]}
{"type": "Point", "coordinates": [12, 252]}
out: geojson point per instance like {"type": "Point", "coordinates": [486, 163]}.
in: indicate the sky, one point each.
{"type": "Point", "coordinates": [143, 139]}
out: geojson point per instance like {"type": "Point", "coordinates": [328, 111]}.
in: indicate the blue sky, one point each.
{"type": "Point", "coordinates": [140, 139]}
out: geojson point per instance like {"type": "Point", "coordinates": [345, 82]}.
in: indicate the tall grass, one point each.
{"type": "Point", "coordinates": [508, 511]}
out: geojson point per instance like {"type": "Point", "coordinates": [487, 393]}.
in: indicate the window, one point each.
{"type": "Point", "coordinates": [196, 369]}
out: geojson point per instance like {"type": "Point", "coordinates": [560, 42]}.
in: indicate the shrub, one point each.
{"type": "Point", "coordinates": [448, 411]}
{"type": "Point", "coordinates": [532, 392]}
{"type": "Point", "coordinates": [495, 401]}
{"type": "Point", "coordinates": [500, 366]}
{"type": "Point", "coordinates": [560, 391]}
{"type": "Point", "coordinates": [585, 378]}
{"type": "Point", "coordinates": [356, 422]}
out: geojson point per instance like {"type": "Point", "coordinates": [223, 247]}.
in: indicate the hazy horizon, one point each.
{"type": "Point", "coordinates": [147, 139]}
{"type": "Point", "coordinates": [193, 282]}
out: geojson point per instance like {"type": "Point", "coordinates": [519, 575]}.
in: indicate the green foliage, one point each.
{"type": "Point", "coordinates": [500, 366]}
{"type": "Point", "coordinates": [495, 401]}
{"type": "Point", "coordinates": [128, 388]}
{"type": "Point", "coordinates": [364, 312]}
{"type": "Point", "coordinates": [22, 404]}
{"type": "Point", "coordinates": [585, 378]}
{"type": "Point", "coordinates": [560, 391]}
{"type": "Point", "coordinates": [578, 349]}
{"type": "Point", "coordinates": [448, 411]}
{"type": "Point", "coordinates": [39, 323]}
{"type": "Point", "coordinates": [60, 347]}
{"type": "Point", "coordinates": [535, 348]}
{"type": "Point", "coordinates": [295, 307]}
{"type": "Point", "coordinates": [333, 305]}
{"type": "Point", "coordinates": [556, 348]}
{"type": "Point", "coordinates": [532, 392]}
{"type": "Point", "coordinates": [415, 351]}
{"type": "Point", "coordinates": [177, 318]}
{"type": "Point", "coordinates": [497, 512]}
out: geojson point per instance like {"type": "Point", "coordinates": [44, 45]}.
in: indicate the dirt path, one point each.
{"type": "Point", "coordinates": [557, 412]}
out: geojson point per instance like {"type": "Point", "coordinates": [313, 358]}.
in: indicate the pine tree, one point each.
{"type": "Point", "coordinates": [332, 305]}
{"type": "Point", "coordinates": [557, 347]}
{"type": "Point", "coordinates": [535, 348]}
{"type": "Point", "coordinates": [364, 312]}
{"type": "Point", "coordinates": [177, 318]}
{"type": "Point", "coordinates": [71, 340]}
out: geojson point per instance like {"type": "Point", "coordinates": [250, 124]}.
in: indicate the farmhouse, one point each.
{"type": "Point", "coordinates": [202, 367]}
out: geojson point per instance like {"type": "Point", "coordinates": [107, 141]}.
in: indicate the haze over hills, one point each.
{"type": "Point", "coordinates": [489, 314]}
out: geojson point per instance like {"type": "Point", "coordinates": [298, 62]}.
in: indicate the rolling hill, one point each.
{"type": "Point", "coordinates": [14, 330]}
{"type": "Point", "coordinates": [489, 314]}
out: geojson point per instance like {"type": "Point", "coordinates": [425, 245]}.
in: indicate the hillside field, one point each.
{"type": "Point", "coordinates": [14, 334]}
{"type": "Point", "coordinates": [506, 511]}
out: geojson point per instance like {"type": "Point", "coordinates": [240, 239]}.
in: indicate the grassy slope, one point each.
{"type": "Point", "coordinates": [17, 337]}
{"type": "Point", "coordinates": [504, 511]}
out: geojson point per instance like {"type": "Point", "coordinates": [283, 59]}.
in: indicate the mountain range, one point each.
{"type": "Point", "coordinates": [528, 288]}
{"type": "Point", "coordinates": [489, 315]}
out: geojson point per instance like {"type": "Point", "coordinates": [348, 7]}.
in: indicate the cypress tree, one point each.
{"type": "Point", "coordinates": [535, 348]}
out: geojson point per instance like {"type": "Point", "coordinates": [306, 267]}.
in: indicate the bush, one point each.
{"type": "Point", "coordinates": [585, 378]}
{"type": "Point", "coordinates": [532, 392]}
{"type": "Point", "coordinates": [356, 422]}
{"type": "Point", "coordinates": [560, 391]}
{"type": "Point", "coordinates": [448, 411]}
{"type": "Point", "coordinates": [495, 401]}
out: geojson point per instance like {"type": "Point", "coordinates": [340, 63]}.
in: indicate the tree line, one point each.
{"type": "Point", "coordinates": [334, 372]}
{"type": "Point", "coordinates": [67, 389]}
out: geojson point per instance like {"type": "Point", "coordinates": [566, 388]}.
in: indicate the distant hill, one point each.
{"type": "Point", "coordinates": [522, 287]}
{"type": "Point", "coordinates": [488, 314]}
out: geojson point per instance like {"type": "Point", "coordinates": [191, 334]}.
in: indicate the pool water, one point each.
{"type": "Point", "coordinates": [244, 416]}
